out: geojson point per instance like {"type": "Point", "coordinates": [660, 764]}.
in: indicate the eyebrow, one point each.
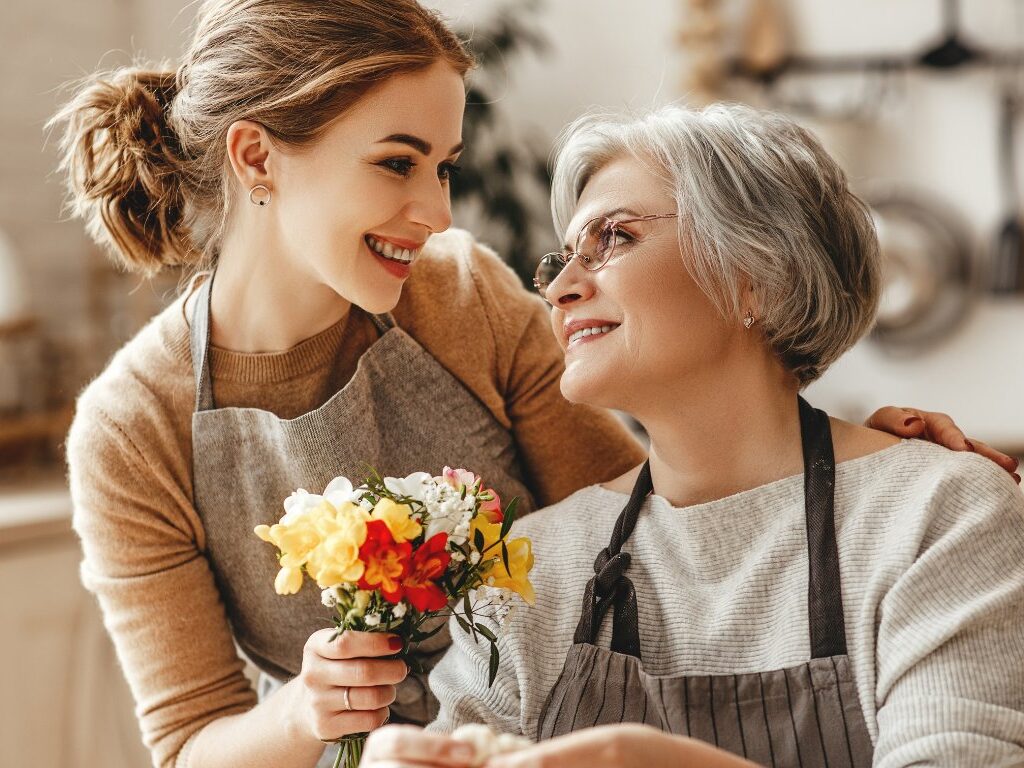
{"type": "Point", "coordinates": [422, 146]}
{"type": "Point", "coordinates": [607, 215]}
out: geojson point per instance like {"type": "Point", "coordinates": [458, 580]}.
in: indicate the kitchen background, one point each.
{"type": "Point", "coordinates": [917, 98]}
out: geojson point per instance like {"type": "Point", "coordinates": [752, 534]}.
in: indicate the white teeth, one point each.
{"type": "Point", "coordinates": [389, 251]}
{"type": "Point", "coordinates": [583, 332]}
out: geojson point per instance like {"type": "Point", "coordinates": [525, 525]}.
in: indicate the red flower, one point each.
{"type": "Point", "coordinates": [428, 563]}
{"type": "Point", "coordinates": [387, 563]}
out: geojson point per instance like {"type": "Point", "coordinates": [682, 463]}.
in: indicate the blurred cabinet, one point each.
{"type": "Point", "coordinates": [63, 700]}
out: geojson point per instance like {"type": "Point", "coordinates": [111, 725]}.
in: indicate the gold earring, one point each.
{"type": "Point", "coordinates": [748, 320]}
{"type": "Point", "coordinates": [264, 195]}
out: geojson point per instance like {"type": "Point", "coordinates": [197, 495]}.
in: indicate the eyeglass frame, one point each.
{"type": "Point", "coordinates": [564, 258]}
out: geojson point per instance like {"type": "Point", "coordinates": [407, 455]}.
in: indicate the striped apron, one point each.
{"type": "Point", "coordinates": [401, 412]}
{"type": "Point", "coordinates": [806, 715]}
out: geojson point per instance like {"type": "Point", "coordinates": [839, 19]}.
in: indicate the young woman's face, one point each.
{"type": "Point", "coordinates": [355, 208]}
{"type": "Point", "coordinates": [664, 331]}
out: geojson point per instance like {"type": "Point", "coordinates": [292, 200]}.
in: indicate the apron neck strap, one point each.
{"type": "Point", "coordinates": [611, 587]}
{"type": "Point", "coordinates": [199, 343]}
{"type": "Point", "coordinates": [384, 322]}
{"type": "Point", "coordinates": [824, 596]}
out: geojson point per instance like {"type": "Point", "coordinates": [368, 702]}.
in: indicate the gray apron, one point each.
{"type": "Point", "coordinates": [401, 412]}
{"type": "Point", "coordinates": [806, 715]}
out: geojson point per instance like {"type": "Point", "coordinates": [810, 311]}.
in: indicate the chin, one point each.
{"type": "Point", "coordinates": [586, 390]}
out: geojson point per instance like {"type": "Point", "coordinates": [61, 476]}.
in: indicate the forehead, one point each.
{"type": "Point", "coordinates": [627, 183]}
{"type": "Point", "coordinates": [428, 103]}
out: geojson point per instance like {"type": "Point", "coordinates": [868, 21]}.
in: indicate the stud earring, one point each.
{"type": "Point", "coordinates": [748, 320]}
{"type": "Point", "coordinates": [260, 195]}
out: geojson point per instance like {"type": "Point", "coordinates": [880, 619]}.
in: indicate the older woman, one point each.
{"type": "Point", "coordinates": [771, 585]}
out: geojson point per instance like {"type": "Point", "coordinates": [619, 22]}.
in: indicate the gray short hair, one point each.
{"type": "Point", "coordinates": [758, 198]}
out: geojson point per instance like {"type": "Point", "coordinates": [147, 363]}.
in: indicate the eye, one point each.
{"type": "Point", "coordinates": [448, 171]}
{"type": "Point", "coordinates": [401, 165]}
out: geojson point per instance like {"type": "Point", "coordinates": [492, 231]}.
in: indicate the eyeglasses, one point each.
{"type": "Point", "coordinates": [595, 246]}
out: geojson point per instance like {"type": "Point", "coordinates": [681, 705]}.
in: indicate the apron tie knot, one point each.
{"type": "Point", "coordinates": [609, 569]}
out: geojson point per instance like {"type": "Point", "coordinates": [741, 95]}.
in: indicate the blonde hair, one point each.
{"type": "Point", "coordinates": [144, 149]}
{"type": "Point", "coordinates": [759, 199]}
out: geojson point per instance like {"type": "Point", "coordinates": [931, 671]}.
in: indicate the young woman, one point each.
{"type": "Point", "coordinates": [771, 587]}
{"type": "Point", "coordinates": [304, 151]}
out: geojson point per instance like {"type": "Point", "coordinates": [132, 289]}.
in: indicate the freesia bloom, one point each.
{"type": "Point", "coordinates": [491, 508]}
{"type": "Point", "coordinates": [429, 562]}
{"type": "Point", "coordinates": [411, 486]}
{"type": "Point", "coordinates": [520, 560]}
{"type": "Point", "coordinates": [459, 478]}
{"type": "Point", "coordinates": [288, 581]}
{"type": "Point", "coordinates": [398, 519]}
{"type": "Point", "coordinates": [386, 561]}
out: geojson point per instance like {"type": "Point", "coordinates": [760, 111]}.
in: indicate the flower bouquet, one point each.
{"type": "Point", "coordinates": [394, 553]}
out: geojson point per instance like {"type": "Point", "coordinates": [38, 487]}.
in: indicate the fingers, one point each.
{"type": "Point", "coordinates": [903, 422]}
{"type": "Point", "coordinates": [353, 645]}
{"type": "Point", "coordinates": [1009, 463]}
{"type": "Point", "coordinates": [941, 429]}
{"type": "Point", "coordinates": [329, 726]}
{"type": "Point", "coordinates": [407, 745]}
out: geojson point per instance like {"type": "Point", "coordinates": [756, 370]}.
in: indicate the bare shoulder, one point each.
{"type": "Point", "coordinates": [851, 441]}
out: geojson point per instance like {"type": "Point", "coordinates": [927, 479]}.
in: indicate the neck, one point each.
{"type": "Point", "coordinates": [722, 436]}
{"type": "Point", "coordinates": [265, 302]}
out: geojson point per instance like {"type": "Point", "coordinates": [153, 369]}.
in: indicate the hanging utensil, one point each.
{"type": "Point", "coordinates": [1007, 265]}
{"type": "Point", "coordinates": [951, 51]}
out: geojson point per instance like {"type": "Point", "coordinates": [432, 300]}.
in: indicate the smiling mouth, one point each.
{"type": "Point", "coordinates": [391, 252]}
{"type": "Point", "coordinates": [588, 333]}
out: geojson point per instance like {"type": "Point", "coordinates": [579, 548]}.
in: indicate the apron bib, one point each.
{"type": "Point", "coordinates": [806, 715]}
{"type": "Point", "coordinates": [401, 412]}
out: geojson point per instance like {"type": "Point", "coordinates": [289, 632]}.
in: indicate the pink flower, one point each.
{"type": "Point", "coordinates": [491, 508]}
{"type": "Point", "coordinates": [459, 478]}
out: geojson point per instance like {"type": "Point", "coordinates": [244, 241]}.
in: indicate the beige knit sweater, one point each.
{"type": "Point", "coordinates": [130, 460]}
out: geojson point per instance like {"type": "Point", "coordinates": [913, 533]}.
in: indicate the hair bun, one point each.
{"type": "Point", "coordinates": [123, 166]}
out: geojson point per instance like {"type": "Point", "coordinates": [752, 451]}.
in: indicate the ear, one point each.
{"type": "Point", "coordinates": [749, 298]}
{"type": "Point", "coordinates": [249, 151]}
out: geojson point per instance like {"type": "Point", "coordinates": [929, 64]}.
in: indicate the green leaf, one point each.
{"type": "Point", "coordinates": [465, 625]}
{"type": "Point", "coordinates": [510, 516]}
{"type": "Point", "coordinates": [466, 607]}
{"type": "Point", "coordinates": [478, 540]}
{"type": "Point", "coordinates": [504, 557]}
{"type": "Point", "coordinates": [486, 632]}
{"type": "Point", "coordinates": [493, 671]}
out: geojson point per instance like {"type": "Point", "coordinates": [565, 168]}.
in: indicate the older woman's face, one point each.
{"type": "Point", "coordinates": [666, 336]}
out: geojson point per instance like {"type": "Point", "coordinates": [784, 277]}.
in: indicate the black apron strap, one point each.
{"type": "Point", "coordinates": [610, 585]}
{"type": "Point", "coordinates": [824, 596]}
{"type": "Point", "coordinates": [199, 343]}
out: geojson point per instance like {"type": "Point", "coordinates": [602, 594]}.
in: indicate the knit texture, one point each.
{"type": "Point", "coordinates": [130, 461]}
{"type": "Point", "coordinates": [931, 549]}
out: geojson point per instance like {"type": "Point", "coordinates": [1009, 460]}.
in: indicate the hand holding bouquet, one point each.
{"type": "Point", "coordinates": [394, 553]}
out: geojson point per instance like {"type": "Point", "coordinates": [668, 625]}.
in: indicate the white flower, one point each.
{"type": "Point", "coordinates": [372, 619]}
{"type": "Point", "coordinates": [399, 610]}
{"type": "Point", "coordinates": [329, 597]}
{"type": "Point", "coordinates": [474, 557]}
{"type": "Point", "coordinates": [298, 503]}
{"type": "Point", "coordinates": [340, 490]}
{"type": "Point", "coordinates": [413, 486]}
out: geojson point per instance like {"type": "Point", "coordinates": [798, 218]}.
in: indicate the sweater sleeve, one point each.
{"type": "Point", "coordinates": [156, 590]}
{"type": "Point", "coordinates": [950, 643]}
{"type": "Point", "coordinates": [564, 446]}
{"type": "Point", "coordinates": [459, 681]}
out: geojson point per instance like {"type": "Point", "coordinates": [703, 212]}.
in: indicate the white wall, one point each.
{"type": "Point", "coordinates": [938, 136]}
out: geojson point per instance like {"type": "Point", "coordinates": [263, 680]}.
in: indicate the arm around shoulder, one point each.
{"type": "Point", "coordinates": [950, 645]}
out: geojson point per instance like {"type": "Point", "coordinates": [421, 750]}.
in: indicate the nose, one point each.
{"type": "Point", "coordinates": [572, 284]}
{"type": "Point", "coordinates": [431, 205]}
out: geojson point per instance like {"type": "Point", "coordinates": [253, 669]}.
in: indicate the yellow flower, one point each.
{"type": "Point", "coordinates": [397, 518]}
{"type": "Point", "coordinates": [520, 559]}
{"type": "Point", "coordinates": [336, 561]}
{"type": "Point", "coordinates": [288, 581]}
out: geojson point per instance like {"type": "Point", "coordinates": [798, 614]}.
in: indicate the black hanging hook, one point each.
{"type": "Point", "coordinates": [951, 51]}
